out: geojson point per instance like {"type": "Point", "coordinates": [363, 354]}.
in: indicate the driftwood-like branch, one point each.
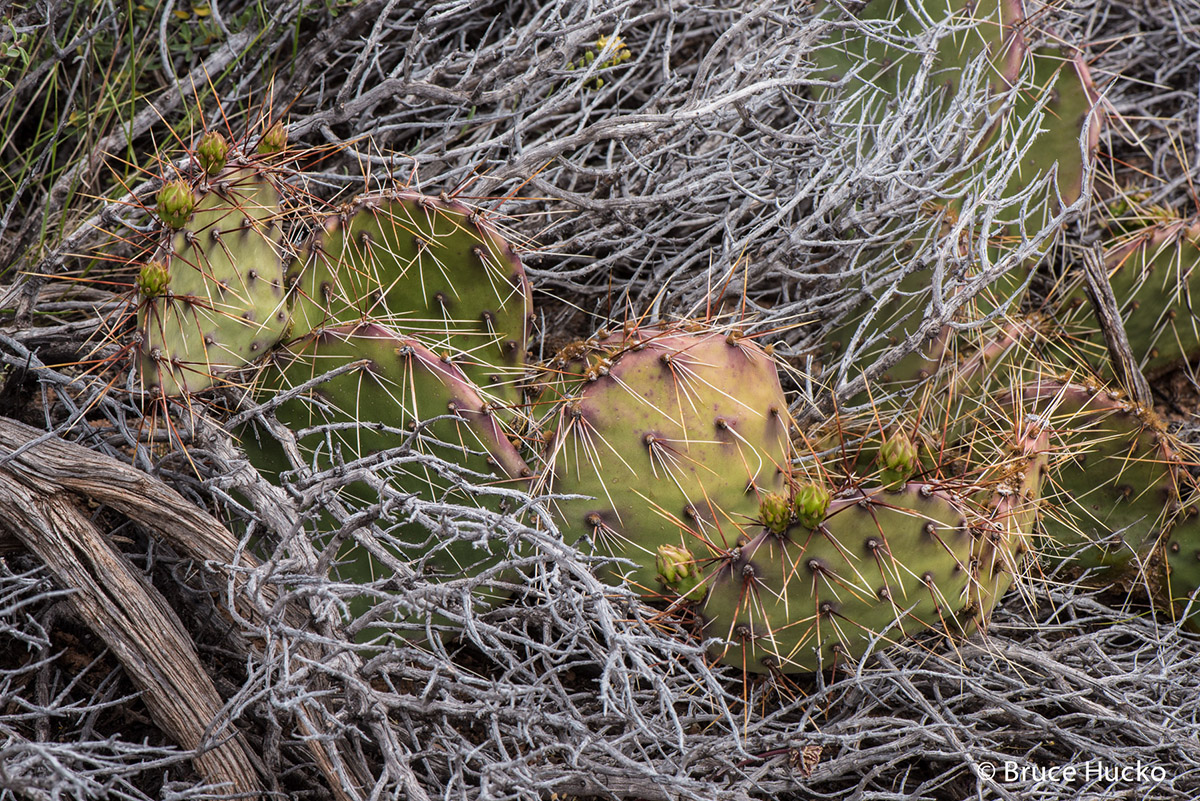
{"type": "Point", "coordinates": [37, 466]}
{"type": "Point", "coordinates": [1104, 303]}
{"type": "Point", "coordinates": [134, 620]}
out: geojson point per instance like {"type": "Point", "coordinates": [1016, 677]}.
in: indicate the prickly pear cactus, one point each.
{"type": "Point", "coordinates": [429, 268]}
{"type": "Point", "coordinates": [398, 397]}
{"type": "Point", "coordinates": [1115, 479]}
{"type": "Point", "coordinates": [674, 434]}
{"type": "Point", "coordinates": [219, 305]}
{"type": "Point", "coordinates": [1175, 571]}
{"type": "Point", "coordinates": [1060, 76]}
{"type": "Point", "coordinates": [1151, 272]}
{"type": "Point", "coordinates": [882, 565]}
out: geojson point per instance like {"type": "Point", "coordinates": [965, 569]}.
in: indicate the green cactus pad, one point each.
{"type": "Point", "coordinates": [1062, 75]}
{"type": "Point", "coordinates": [882, 563]}
{"type": "Point", "coordinates": [894, 321]}
{"type": "Point", "coordinates": [673, 434]}
{"type": "Point", "coordinates": [429, 268]}
{"type": "Point", "coordinates": [888, 64]}
{"type": "Point", "coordinates": [1114, 482]}
{"type": "Point", "coordinates": [223, 306]}
{"type": "Point", "coordinates": [1151, 272]}
{"type": "Point", "coordinates": [396, 387]}
{"type": "Point", "coordinates": [1177, 588]}
{"type": "Point", "coordinates": [886, 563]}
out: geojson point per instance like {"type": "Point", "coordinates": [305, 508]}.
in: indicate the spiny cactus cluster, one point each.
{"type": "Point", "coordinates": [398, 334]}
{"type": "Point", "coordinates": [1117, 505]}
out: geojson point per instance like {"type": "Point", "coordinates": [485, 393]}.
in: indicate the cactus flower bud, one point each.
{"type": "Point", "coordinates": [211, 152]}
{"type": "Point", "coordinates": [152, 280]}
{"type": "Point", "coordinates": [175, 203]}
{"type": "Point", "coordinates": [677, 569]}
{"type": "Point", "coordinates": [810, 504]}
{"type": "Point", "coordinates": [898, 458]}
{"type": "Point", "coordinates": [273, 141]}
{"type": "Point", "coordinates": [775, 511]}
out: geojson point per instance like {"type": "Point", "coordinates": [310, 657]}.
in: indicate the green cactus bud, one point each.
{"type": "Point", "coordinates": [677, 569]}
{"type": "Point", "coordinates": [176, 203]}
{"type": "Point", "coordinates": [898, 458]}
{"type": "Point", "coordinates": [775, 512]}
{"type": "Point", "coordinates": [810, 504]}
{"type": "Point", "coordinates": [273, 141]}
{"type": "Point", "coordinates": [212, 152]}
{"type": "Point", "coordinates": [152, 280]}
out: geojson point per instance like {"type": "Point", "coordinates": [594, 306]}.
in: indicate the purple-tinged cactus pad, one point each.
{"type": "Point", "coordinates": [675, 435]}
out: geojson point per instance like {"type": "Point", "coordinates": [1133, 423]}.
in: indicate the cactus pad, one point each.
{"type": "Point", "coordinates": [400, 397]}
{"type": "Point", "coordinates": [1115, 480]}
{"type": "Point", "coordinates": [1152, 272]}
{"type": "Point", "coordinates": [223, 303]}
{"type": "Point", "coordinates": [1178, 586]}
{"type": "Point", "coordinates": [428, 268]}
{"type": "Point", "coordinates": [673, 434]}
{"type": "Point", "coordinates": [881, 563]}
{"type": "Point", "coordinates": [978, 27]}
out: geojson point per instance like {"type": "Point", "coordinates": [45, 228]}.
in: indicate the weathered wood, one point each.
{"type": "Point", "coordinates": [55, 465]}
{"type": "Point", "coordinates": [1099, 290]}
{"type": "Point", "coordinates": [34, 465]}
{"type": "Point", "coordinates": [136, 622]}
